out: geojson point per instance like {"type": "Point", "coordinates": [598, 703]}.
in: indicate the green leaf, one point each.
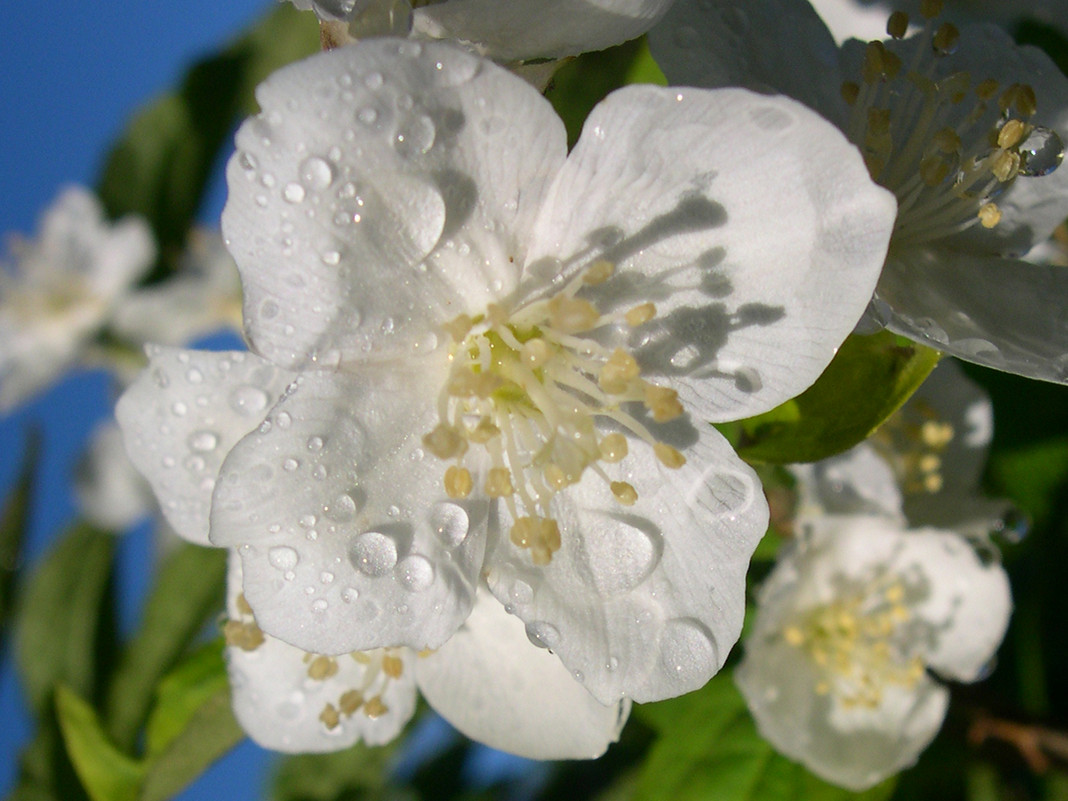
{"type": "Point", "coordinates": [187, 593]}
{"type": "Point", "coordinates": [582, 83]}
{"type": "Point", "coordinates": [45, 772]}
{"type": "Point", "coordinates": [357, 772]}
{"type": "Point", "coordinates": [709, 748]}
{"type": "Point", "coordinates": [866, 382]}
{"type": "Point", "coordinates": [61, 613]}
{"type": "Point", "coordinates": [191, 726]}
{"type": "Point", "coordinates": [13, 521]}
{"type": "Point", "coordinates": [106, 773]}
{"type": "Point", "coordinates": [161, 165]}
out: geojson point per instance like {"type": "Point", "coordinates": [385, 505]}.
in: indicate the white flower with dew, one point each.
{"type": "Point", "coordinates": [488, 680]}
{"type": "Point", "coordinates": [963, 126]}
{"type": "Point", "coordinates": [850, 626]}
{"type": "Point", "coordinates": [504, 30]}
{"type": "Point", "coordinates": [477, 355]}
{"type": "Point", "coordinates": [61, 290]}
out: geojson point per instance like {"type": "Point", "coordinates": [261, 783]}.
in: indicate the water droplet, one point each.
{"type": "Point", "coordinates": [203, 441]}
{"type": "Point", "coordinates": [416, 137]}
{"type": "Point", "coordinates": [315, 443]}
{"type": "Point", "coordinates": [283, 557]}
{"type": "Point", "coordinates": [367, 115]}
{"type": "Point", "coordinates": [373, 81]}
{"type": "Point", "coordinates": [307, 521]}
{"type": "Point", "coordinates": [542, 634]}
{"type": "Point", "coordinates": [331, 258]}
{"type": "Point", "coordinates": [451, 523]}
{"type": "Point", "coordinates": [326, 577]}
{"type": "Point", "coordinates": [269, 310]}
{"type": "Point", "coordinates": [193, 463]}
{"type": "Point", "coordinates": [293, 193]}
{"type": "Point", "coordinates": [179, 409]}
{"type": "Point", "coordinates": [319, 605]}
{"type": "Point", "coordinates": [612, 664]}
{"type": "Point", "coordinates": [373, 554]}
{"type": "Point", "coordinates": [1013, 526]}
{"type": "Point", "coordinates": [688, 652]}
{"type": "Point", "coordinates": [622, 557]}
{"type": "Point", "coordinates": [284, 420]}
{"type": "Point", "coordinates": [248, 400]}
{"type": "Point", "coordinates": [316, 173]}
{"type": "Point", "coordinates": [319, 472]}
{"type": "Point", "coordinates": [415, 573]}
{"type": "Point", "coordinates": [160, 377]}
{"type": "Point", "coordinates": [349, 595]}
{"type": "Point", "coordinates": [194, 376]}
{"type": "Point", "coordinates": [247, 161]}
{"type": "Point", "coordinates": [290, 464]}
{"type": "Point", "coordinates": [343, 508]}
{"type": "Point", "coordinates": [1043, 152]}
{"type": "Point", "coordinates": [459, 69]}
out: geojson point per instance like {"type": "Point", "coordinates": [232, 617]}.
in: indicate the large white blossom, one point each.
{"type": "Point", "coordinates": [61, 289]}
{"type": "Point", "coordinates": [478, 357]}
{"type": "Point", "coordinates": [504, 30]}
{"type": "Point", "coordinates": [961, 125]}
{"type": "Point", "coordinates": [862, 609]}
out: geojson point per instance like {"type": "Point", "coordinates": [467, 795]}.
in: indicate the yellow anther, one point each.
{"type": "Point", "coordinates": [879, 63]}
{"type": "Point", "coordinates": [322, 668]}
{"type": "Point", "coordinates": [879, 121]}
{"type": "Point", "coordinates": [375, 708]}
{"type": "Point", "coordinates": [350, 702]}
{"type": "Point", "coordinates": [541, 535]}
{"type": "Point", "coordinates": [929, 9]}
{"type": "Point", "coordinates": [850, 92]}
{"type": "Point", "coordinates": [523, 531]}
{"type": "Point", "coordinates": [642, 313]}
{"type": "Point", "coordinates": [946, 39]}
{"type": "Point", "coordinates": [895, 593]}
{"type": "Point", "coordinates": [955, 86]}
{"type": "Point", "coordinates": [392, 666]}
{"type": "Point", "coordinates": [898, 24]}
{"type": "Point", "coordinates": [617, 373]}
{"type": "Point", "coordinates": [598, 272]}
{"type": "Point", "coordinates": [624, 492]}
{"type": "Point", "coordinates": [662, 402]}
{"type": "Point", "coordinates": [947, 141]}
{"type": "Point", "coordinates": [445, 441]}
{"type": "Point", "coordinates": [361, 658]}
{"type": "Point", "coordinates": [499, 483]}
{"type": "Point", "coordinates": [536, 352]}
{"type": "Point", "coordinates": [613, 447]}
{"type": "Point", "coordinates": [246, 636]}
{"type": "Point", "coordinates": [934, 170]}
{"type": "Point", "coordinates": [1012, 133]}
{"type": "Point", "coordinates": [242, 604]}
{"type": "Point", "coordinates": [484, 431]}
{"type": "Point", "coordinates": [932, 482]}
{"type": "Point", "coordinates": [793, 636]}
{"type": "Point", "coordinates": [555, 476]}
{"type": "Point", "coordinates": [929, 463]}
{"type": "Point", "coordinates": [1006, 166]}
{"type": "Point", "coordinates": [330, 717]}
{"type": "Point", "coordinates": [1021, 97]}
{"type": "Point", "coordinates": [572, 315]}
{"type": "Point", "coordinates": [987, 89]}
{"type": "Point", "coordinates": [936, 434]}
{"type": "Point", "coordinates": [458, 483]}
{"type": "Point", "coordinates": [668, 456]}
{"type": "Point", "coordinates": [458, 327]}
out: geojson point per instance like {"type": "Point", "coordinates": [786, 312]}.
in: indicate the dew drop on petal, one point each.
{"type": "Point", "coordinates": [450, 522]}
{"type": "Point", "coordinates": [373, 553]}
{"type": "Point", "coordinates": [316, 173]}
{"type": "Point", "coordinates": [319, 605]}
{"type": "Point", "coordinates": [248, 400]}
{"type": "Point", "coordinates": [350, 595]}
{"type": "Point", "coordinates": [1043, 150]}
{"type": "Point", "coordinates": [282, 557]}
{"type": "Point", "coordinates": [542, 634]}
{"type": "Point", "coordinates": [315, 443]}
{"type": "Point", "coordinates": [203, 441]}
{"type": "Point", "coordinates": [415, 573]}
{"type": "Point", "coordinates": [293, 193]}
{"type": "Point", "coordinates": [688, 651]}
{"type": "Point", "coordinates": [342, 508]}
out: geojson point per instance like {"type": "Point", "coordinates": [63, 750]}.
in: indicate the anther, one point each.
{"type": "Point", "coordinates": [668, 456]}
{"type": "Point", "coordinates": [536, 352]}
{"type": "Point", "coordinates": [572, 315]}
{"type": "Point", "coordinates": [375, 708]}
{"type": "Point", "coordinates": [458, 483]}
{"type": "Point", "coordinates": [246, 636]}
{"type": "Point", "coordinates": [484, 431]}
{"type": "Point", "coordinates": [989, 215]}
{"type": "Point", "coordinates": [499, 483]}
{"type": "Point", "coordinates": [242, 604]}
{"type": "Point", "coordinates": [1021, 97]}
{"type": "Point", "coordinates": [350, 702]}
{"type": "Point", "coordinates": [322, 668]}
{"type": "Point", "coordinates": [1012, 133]}
{"type": "Point", "coordinates": [392, 666]}
{"type": "Point", "coordinates": [662, 402]}
{"type": "Point", "coordinates": [898, 24]}
{"type": "Point", "coordinates": [613, 447]}
{"type": "Point", "coordinates": [445, 441]}
{"type": "Point", "coordinates": [330, 717]}
{"type": "Point", "coordinates": [624, 492]}
{"type": "Point", "coordinates": [640, 314]}
{"type": "Point", "coordinates": [598, 272]}
{"type": "Point", "coordinates": [929, 9]}
{"type": "Point", "coordinates": [946, 39]}
{"type": "Point", "coordinates": [618, 372]}
{"type": "Point", "coordinates": [850, 92]}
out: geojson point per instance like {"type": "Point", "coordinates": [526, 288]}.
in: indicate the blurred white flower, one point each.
{"type": "Point", "coordinates": [963, 126]}
{"type": "Point", "coordinates": [111, 493]}
{"type": "Point", "coordinates": [481, 357]}
{"type": "Point", "coordinates": [504, 30]}
{"type": "Point", "coordinates": [62, 288]}
{"type": "Point", "coordinates": [203, 297]}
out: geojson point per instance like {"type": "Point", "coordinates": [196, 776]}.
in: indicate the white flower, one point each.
{"type": "Point", "coordinates": [861, 607]}
{"type": "Point", "coordinates": [111, 493]}
{"type": "Point", "coordinates": [504, 30]}
{"type": "Point", "coordinates": [961, 125]}
{"type": "Point", "coordinates": [500, 357]}
{"type": "Point", "coordinates": [203, 297]}
{"type": "Point", "coordinates": [850, 623]}
{"type": "Point", "coordinates": [62, 288]}
{"type": "Point", "coordinates": [488, 680]}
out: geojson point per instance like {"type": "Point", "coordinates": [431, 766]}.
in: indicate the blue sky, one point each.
{"type": "Point", "coordinates": [74, 72]}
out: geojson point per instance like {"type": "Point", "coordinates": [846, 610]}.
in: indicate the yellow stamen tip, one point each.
{"type": "Point", "coordinates": [458, 483]}
{"type": "Point", "coordinates": [624, 492]}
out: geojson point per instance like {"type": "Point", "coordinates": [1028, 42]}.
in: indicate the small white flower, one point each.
{"type": "Point", "coordinates": [850, 625]}
{"type": "Point", "coordinates": [202, 298]}
{"type": "Point", "coordinates": [62, 288]}
{"type": "Point", "coordinates": [479, 356]}
{"type": "Point", "coordinates": [504, 30]}
{"type": "Point", "coordinates": [488, 680]}
{"type": "Point", "coordinates": [111, 493]}
{"type": "Point", "coordinates": [963, 126]}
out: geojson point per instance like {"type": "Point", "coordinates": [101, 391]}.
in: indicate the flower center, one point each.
{"type": "Point", "coordinates": [535, 390]}
{"type": "Point", "coordinates": [945, 147]}
{"type": "Point", "coordinates": [854, 640]}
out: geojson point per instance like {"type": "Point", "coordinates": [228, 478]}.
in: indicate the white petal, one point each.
{"type": "Point", "coordinates": [347, 538]}
{"type": "Point", "coordinates": [496, 687]}
{"type": "Point", "coordinates": [511, 30]}
{"type": "Point", "coordinates": [854, 748]}
{"type": "Point", "coordinates": [645, 601]}
{"type": "Point", "coordinates": [384, 189]}
{"type": "Point", "coordinates": [750, 222]}
{"type": "Point", "coordinates": [278, 702]}
{"type": "Point", "coordinates": [849, 19]}
{"type": "Point", "coordinates": [1001, 313]}
{"type": "Point", "coordinates": [111, 493]}
{"type": "Point", "coordinates": [182, 416]}
{"type": "Point", "coordinates": [776, 46]}
{"type": "Point", "coordinates": [855, 482]}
